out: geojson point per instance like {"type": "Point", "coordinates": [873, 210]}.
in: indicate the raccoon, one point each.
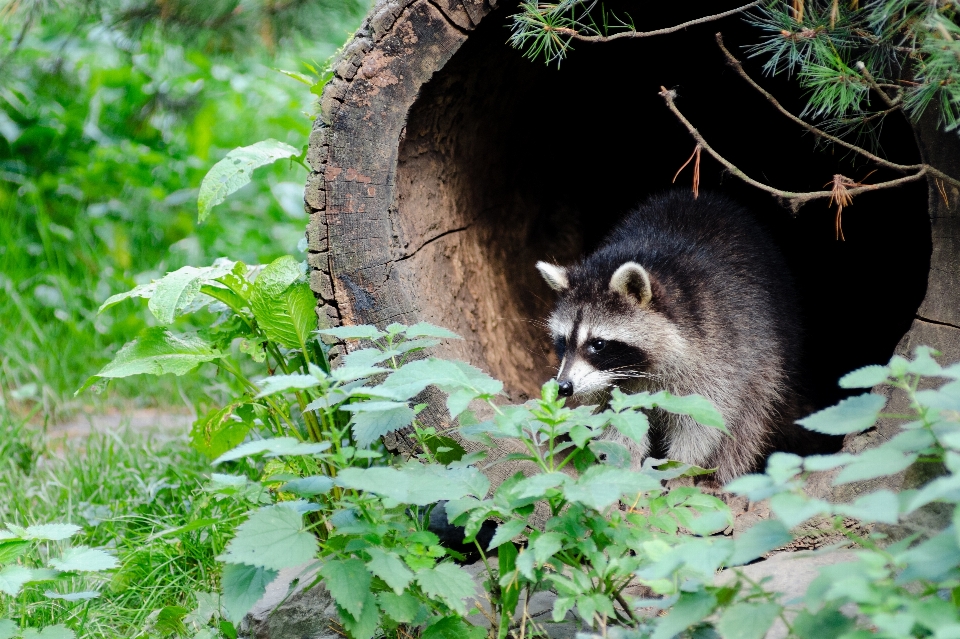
{"type": "Point", "coordinates": [687, 295]}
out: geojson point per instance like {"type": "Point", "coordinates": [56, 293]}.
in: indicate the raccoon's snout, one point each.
{"type": "Point", "coordinates": [566, 388]}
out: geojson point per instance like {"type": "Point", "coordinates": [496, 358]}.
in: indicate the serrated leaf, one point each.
{"type": "Point", "coordinates": [412, 378]}
{"type": "Point", "coordinates": [157, 351]}
{"type": "Point", "coordinates": [506, 532]}
{"type": "Point", "coordinates": [874, 462]}
{"type": "Point", "coordinates": [423, 329]}
{"type": "Point", "coordinates": [217, 432]}
{"type": "Point", "coordinates": [866, 377]}
{"type": "Point", "coordinates": [283, 303]}
{"type": "Point", "coordinates": [84, 559]}
{"type": "Point", "coordinates": [275, 447]}
{"type": "Point", "coordinates": [934, 559]}
{"type": "Point", "coordinates": [758, 540]}
{"type": "Point", "coordinates": [546, 546]}
{"type": "Point", "coordinates": [51, 532]}
{"type": "Point", "coordinates": [748, 620]}
{"type": "Point", "coordinates": [691, 608]}
{"type": "Point", "coordinates": [243, 586]}
{"type": "Point", "coordinates": [852, 415]}
{"type": "Point", "coordinates": [12, 548]}
{"type": "Point", "coordinates": [881, 506]}
{"type": "Point", "coordinates": [308, 486]}
{"type": "Point", "coordinates": [273, 538]}
{"type": "Point", "coordinates": [793, 509]}
{"type": "Point", "coordinates": [72, 596]}
{"type": "Point", "coordinates": [348, 581]}
{"type": "Point", "coordinates": [235, 171]}
{"type": "Point", "coordinates": [632, 424]}
{"type": "Point", "coordinates": [12, 579]}
{"type": "Point", "coordinates": [8, 629]}
{"type": "Point", "coordinates": [448, 582]}
{"type": "Point", "coordinates": [816, 463]}
{"type": "Point", "coordinates": [402, 608]}
{"type": "Point", "coordinates": [366, 357]}
{"type": "Point", "coordinates": [537, 485]}
{"type": "Point", "coordinates": [363, 331]}
{"type": "Point", "coordinates": [58, 631]}
{"type": "Point", "coordinates": [389, 567]}
{"type": "Point", "coordinates": [453, 628]}
{"type": "Point", "coordinates": [143, 290]}
{"type": "Point", "coordinates": [370, 426]}
{"type": "Point", "coordinates": [825, 624]}
{"type": "Point", "coordinates": [611, 453]}
{"type": "Point", "coordinates": [283, 383]}
{"type": "Point", "coordinates": [601, 486]}
{"type": "Point", "coordinates": [175, 291]}
{"type": "Point", "coordinates": [417, 484]}
{"type": "Point", "coordinates": [697, 407]}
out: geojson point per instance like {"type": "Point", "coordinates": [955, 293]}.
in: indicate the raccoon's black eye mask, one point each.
{"type": "Point", "coordinates": [560, 346]}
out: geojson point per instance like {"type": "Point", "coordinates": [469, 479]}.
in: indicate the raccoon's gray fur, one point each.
{"type": "Point", "coordinates": [689, 296]}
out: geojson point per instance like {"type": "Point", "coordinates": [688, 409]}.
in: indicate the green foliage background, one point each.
{"type": "Point", "coordinates": [110, 115]}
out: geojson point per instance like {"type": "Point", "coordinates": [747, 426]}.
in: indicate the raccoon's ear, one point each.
{"type": "Point", "coordinates": [632, 281]}
{"type": "Point", "coordinates": [555, 276]}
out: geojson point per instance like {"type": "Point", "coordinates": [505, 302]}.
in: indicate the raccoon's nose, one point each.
{"type": "Point", "coordinates": [566, 389]}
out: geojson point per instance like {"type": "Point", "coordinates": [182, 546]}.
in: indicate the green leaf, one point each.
{"type": "Point", "coordinates": [283, 303]}
{"type": "Point", "coordinates": [423, 329]}
{"type": "Point", "coordinates": [748, 620]}
{"type": "Point", "coordinates": [72, 596]}
{"type": "Point", "coordinates": [793, 509]}
{"type": "Point", "coordinates": [506, 532]}
{"type": "Point", "coordinates": [611, 453]}
{"type": "Point", "coordinates": [8, 629]}
{"type": "Point", "coordinates": [453, 628]}
{"type": "Point", "coordinates": [366, 357]}
{"type": "Point", "coordinates": [690, 609]}
{"type": "Point", "coordinates": [363, 331]}
{"type": "Point", "coordinates": [697, 407]}
{"type": "Point", "coordinates": [631, 424]}
{"type": "Point", "coordinates": [59, 631]}
{"type": "Point", "coordinates": [50, 532]}
{"type": "Point", "coordinates": [84, 559]}
{"type": "Point", "coordinates": [816, 463]}
{"type": "Point", "coordinates": [537, 485]}
{"type": "Point", "coordinates": [874, 462]}
{"type": "Point", "coordinates": [273, 538]}
{"type": "Point", "coordinates": [881, 506]}
{"type": "Point", "coordinates": [12, 579]}
{"type": "Point", "coordinates": [348, 582]}
{"type": "Point", "coordinates": [933, 560]}
{"type": "Point", "coordinates": [412, 378]}
{"type": "Point", "coordinates": [601, 486]}
{"type": "Point", "coordinates": [946, 488]}
{"type": "Point", "coordinates": [852, 415]}
{"type": "Point", "coordinates": [510, 591]}
{"type": "Point", "coordinates": [236, 170]}
{"type": "Point", "coordinates": [308, 486]}
{"type": "Point", "coordinates": [866, 377]}
{"type": "Point", "coordinates": [175, 292]}
{"type": "Point", "coordinates": [157, 352]}
{"type": "Point", "coordinates": [417, 484]}
{"type": "Point", "coordinates": [243, 586]}
{"type": "Point", "coordinates": [758, 540]}
{"type": "Point", "coordinates": [377, 419]}
{"type": "Point", "coordinates": [546, 546]}
{"type": "Point", "coordinates": [143, 290]}
{"type": "Point", "coordinates": [365, 625]}
{"type": "Point", "coordinates": [402, 608]}
{"type": "Point", "coordinates": [448, 582]}
{"type": "Point", "coordinates": [825, 624]}
{"type": "Point", "coordinates": [275, 447]}
{"type": "Point", "coordinates": [282, 383]}
{"type": "Point", "coordinates": [217, 432]}
{"type": "Point", "coordinates": [12, 548]}
{"type": "Point", "coordinates": [390, 568]}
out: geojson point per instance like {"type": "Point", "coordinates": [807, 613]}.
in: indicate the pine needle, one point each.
{"type": "Point", "coordinates": [840, 194]}
{"type": "Point", "coordinates": [696, 170]}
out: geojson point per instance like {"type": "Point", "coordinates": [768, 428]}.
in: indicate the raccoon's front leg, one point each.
{"type": "Point", "coordinates": [693, 443]}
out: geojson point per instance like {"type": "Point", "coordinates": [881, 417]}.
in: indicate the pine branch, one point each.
{"type": "Point", "coordinates": [790, 198]}
{"type": "Point", "coordinates": [576, 35]}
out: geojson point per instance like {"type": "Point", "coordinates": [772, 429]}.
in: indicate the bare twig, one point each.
{"type": "Point", "coordinates": [576, 35]}
{"type": "Point", "coordinates": [793, 199]}
{"type": "Point", "coordinates": [736, 66]}
{"type": "Point", "coordinates": [892, 103]}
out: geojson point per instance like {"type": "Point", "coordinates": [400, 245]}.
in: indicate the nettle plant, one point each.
{"type": "Point", "coordinates": [40, 556]}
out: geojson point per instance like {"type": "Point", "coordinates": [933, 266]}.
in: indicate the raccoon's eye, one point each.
{"type": "Point", "coordinates": [596, 345]}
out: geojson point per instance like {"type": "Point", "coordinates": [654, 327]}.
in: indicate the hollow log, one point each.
{"type": "Point", "coordinates": [445, 165]}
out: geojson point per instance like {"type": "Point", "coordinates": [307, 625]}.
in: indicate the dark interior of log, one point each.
{"type": "Point", "coordinates": [506, 161]}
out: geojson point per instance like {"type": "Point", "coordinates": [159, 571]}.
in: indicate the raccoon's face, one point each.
{"type": "Point", "coordinates": [607, 336]}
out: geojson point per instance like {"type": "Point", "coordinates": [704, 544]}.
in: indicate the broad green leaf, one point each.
{"type": "Point", "coordinates": [601, 486]}
{"type": "Point", "coordinates": [308, 486]}
{"type": "Point", "coordinates": [874, 462]}
{"type": "Point", "coordinates": [243, 586]}
{"type": "Point", "coordinates": [283, 303]}
{"type": "Point", "coordinates": [881, 506]}
{"type": "Point", "coordinates": [402, 608]}
{"type": "Point", "coordinates": [632, 424]}
{"type": "Point", "coordinates": [283, 383]}
{"type": "Point", "coordinates": [423, 329]}
{"type": "Point", "coordinates": [506, 532]}
{"type": "Point", "coordinates": [758, 540]}
{"type": "Point", "coordinates": [348, 582]}
{"type": "Point", "coordinates": [10, 549]}
{"type": "Point", "coordinates": [781, 467]}
{"type": "Point", "coordinates": [934, 559]}
{"type": "Point", "coordinates": [51, 532]}
{"type": "Point", "coordinates": [537, 485]}
{"type": "Point", "coordinates": [611, 453]}
{"type": "Point", "coordinates": [818, 463]}
{"type": "Point", "coordinates": [546, 546]}
{"type": "Point", "coordinates": [59, 631]}
{"type": "Point", "coordinates": [13, 577]}
{"type": "Point", "coordinates": [793, 509]}
{"type": "Point", "coordinates": [412, 378]}
{"type": "Point", "coordinates": [218, 431]}
{"type": "Point", "coordinates": [417, 484]}
{"type": "Point", "coordinates": [372, 420]}
{"type": "Point", "coordinates": [923, 362]}
{"type": "Point", "coordinates": [691, 608]}
{"type": "Point", "coordinates": [825, 624]}
{"type": "Point", "coordinates": [389, 567]}
{"type": "Point", "coordinates": [84, 559]}
{"type": "Point", "coordinates": [72, 596]}
{"type": "Point", "coordinates": [866, 377]}
{"type": "Point", "coordinates": [275, 447]}
{"type": "Point", "coordinates": [143, 290]}
{"type": "Point", "coordinates": [157, 352]}
{"type": "Point", "coordinates": [509, 587]}
{"type": "Point", "coordinates": [947, 397]}
{"type": "Point", "coordinates": [366, 357]}
{"type": "Point", "coordinates": [453, 628]}
{"type": "Point", "coordinates": [756, 487]}
{"type": "Point", "coordinates": [8, 629]}
{"type": "Point", "coordinates": [175, 291]}
{"type": "Point", "coordinates": [235, 171]}
{"type": "Point", "coordinates": [851, 415]}
{"type": "Point", "coordinates": [621, 401]}
{"type": "Point", "coordinates": [448, 582]}
{"type": "Point", "coordinates": [946, 488]}
{"type": "Point", "coordinates": [365, 625]}
{"type": "Point", "coordinates": [748, 620]}
{"type": "Point", "coordinates": [273, 538]}
{"type": "Point", "coordinates": [697, 407]}
{"type": "Point", "coordinates": [364, 331]}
